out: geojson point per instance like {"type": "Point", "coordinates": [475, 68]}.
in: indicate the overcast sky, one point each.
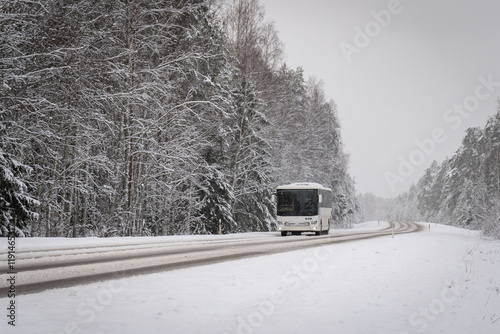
{"type": "Point", "coordinates": [401, 73]}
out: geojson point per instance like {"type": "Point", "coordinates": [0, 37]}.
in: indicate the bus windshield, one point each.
{"type": "Point", "coordinates": [300, 202]}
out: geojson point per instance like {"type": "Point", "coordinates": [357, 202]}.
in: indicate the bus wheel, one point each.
{"type": "Point", "coordinates": [320, 229]}
{"type": "Point", "coordinates": [284, 233]}
{"type": "Point", "coordinates": [327, 230]}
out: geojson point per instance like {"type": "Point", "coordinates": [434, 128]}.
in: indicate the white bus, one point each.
{"type": "Point", "coordinates": [304, 207]}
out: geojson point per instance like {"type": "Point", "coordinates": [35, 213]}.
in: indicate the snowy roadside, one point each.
{"type": "Point", "coordinates": [445, 280]}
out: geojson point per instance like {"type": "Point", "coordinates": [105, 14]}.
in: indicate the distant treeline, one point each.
{"type": "Point", "coordinates": [462, 191]}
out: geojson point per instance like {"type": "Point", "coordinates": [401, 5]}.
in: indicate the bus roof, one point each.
{"type": "Point", "coordinates": [304, 185]}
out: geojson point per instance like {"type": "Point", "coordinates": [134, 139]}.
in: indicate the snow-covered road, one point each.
{"type": "Point", "coordinates": [62, 265]}
{"type": "Point", "coordinates": [445, 280]}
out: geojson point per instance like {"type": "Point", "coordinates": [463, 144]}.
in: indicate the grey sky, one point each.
{"type": "Point", "coordinates": [422, 62]}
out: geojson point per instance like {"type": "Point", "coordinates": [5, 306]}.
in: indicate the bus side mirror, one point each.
{"type": "Point", "coordinates": [273, 198]}
{"type": "Point", "coordinates": [320, 199]}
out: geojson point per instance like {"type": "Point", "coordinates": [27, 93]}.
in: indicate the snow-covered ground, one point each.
{"type": "Point", "coordinates": [443, 281]}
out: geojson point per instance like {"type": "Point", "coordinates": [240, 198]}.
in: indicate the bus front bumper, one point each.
{"type": "Point", "coordinates": [298, 226]}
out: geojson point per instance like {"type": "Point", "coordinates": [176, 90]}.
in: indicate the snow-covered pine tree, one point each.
{"type": "Point", "coordinates": [491, 157]}
{"type": "Point", "coordinates": [249, 164]}
{"type": "Point", "coordinates": [17, 206]}
{"type": "Point", "coordinates": [491, 225]}
{"type": "Point", "coordinates": [322, 150]}
{"type": "Point", "coordinates": [285, 112]}
{"type": "Point", "coordinates": [472, 205]}
{"type": "Point", "coordinates": [426, 196]}
{"type": "Point", "coordinates": [62, 121]}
